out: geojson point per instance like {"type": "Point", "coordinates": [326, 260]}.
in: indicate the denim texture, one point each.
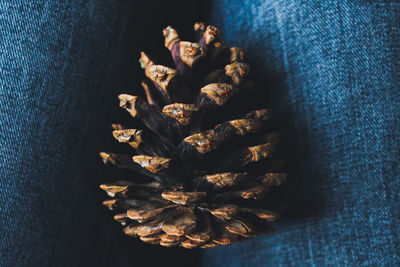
{"type": "Point", "coordinates": [332, 68]}
{"type": "Point", "coordinates": [62, 65]}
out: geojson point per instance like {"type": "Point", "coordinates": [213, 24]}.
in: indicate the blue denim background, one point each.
{"type": "Point", "coordinates": [332, 71]}
{"type": "Point", "coordinates": [62, 65]}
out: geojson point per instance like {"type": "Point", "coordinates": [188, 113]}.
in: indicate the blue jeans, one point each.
{"type": "Point", "coordinates": [331, 71]}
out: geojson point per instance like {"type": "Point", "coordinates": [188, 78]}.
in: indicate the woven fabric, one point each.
{"type": "Point", "coordinates": [62, 65]}
{"type": "Point", "coordinates": [332, 68]}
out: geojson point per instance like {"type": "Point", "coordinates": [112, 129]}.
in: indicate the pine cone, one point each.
{"type": "Point", "coordinates": [199, 150]}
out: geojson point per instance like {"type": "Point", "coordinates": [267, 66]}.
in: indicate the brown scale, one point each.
{"type": "Point", "coordinates": [201, 191]}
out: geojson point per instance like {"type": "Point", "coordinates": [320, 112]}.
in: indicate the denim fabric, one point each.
{"type": "Point", "coordinates": [62, 64]}
{"type": "Point", "coordinates": [332, 68]}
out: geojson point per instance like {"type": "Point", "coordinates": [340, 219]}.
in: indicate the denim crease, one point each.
{"type": "Point", "coordinates": [332, 71]}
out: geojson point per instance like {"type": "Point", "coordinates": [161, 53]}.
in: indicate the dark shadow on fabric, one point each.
{"type": "Point", "coordinates": [295, 195]}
